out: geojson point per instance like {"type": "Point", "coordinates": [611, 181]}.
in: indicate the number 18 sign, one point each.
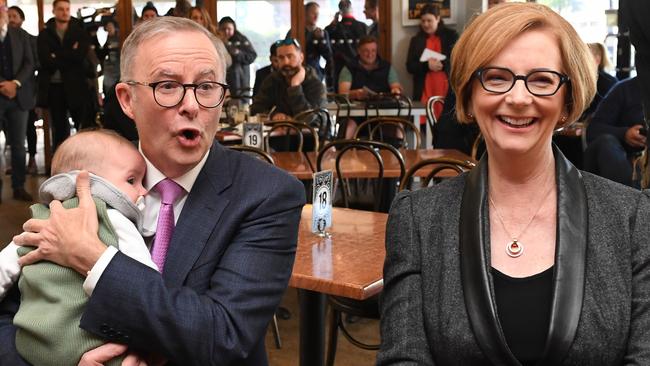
{"type": "Point", "coordinates": [321, 214]}
{"type": "Point", "coordinates": [253, 135]}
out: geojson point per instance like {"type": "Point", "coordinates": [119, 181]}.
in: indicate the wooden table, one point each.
{"type": "Point", "coordinates": [295, 163]}
{"type": "Point", "coordinates": [349, 263]}
{"type": "Point", "coordinates": [361, 164]}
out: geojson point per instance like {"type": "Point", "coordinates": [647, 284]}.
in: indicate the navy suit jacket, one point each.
{"type": "Point", "coordinates": [22, 61]}
{"type": "Point", "coordinates": [228, 265]}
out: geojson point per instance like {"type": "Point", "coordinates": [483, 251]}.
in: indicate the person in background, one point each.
{"type": "Point", "coordinates": [291, 89]}
{"type": "Point", "coordinates": [616, 133]}
{"type": "Point", "coordinates": [201, 16]}
{"type": "Point", "coordinates": [605, 80]}
{"type": "Point", "coordinates": [242, 53]}
{"type": "Point", "coordinates": [523, 260]}
{"type": "Point", "coordinates": [431, 76]}
{"type": "Point", "coordinates": [226, 260]}
{"type": "Point", "coordinates": [368, 74]}
{"type": "Point", "coordinates": [110, 56]}
{"type": "Point", "coordinates": [345, 34]}
{"type": "Point", "coordinates": [181, 9]}
{"type": "Point", "coordinates": [16, 97]}
{"type": "Point", "coordinates": [63, 48]}
{"type": "Point", "coordinates": [371, 10]}
{"type": "Point", "coordinates": [317, 43]}
{"type": "Point", "coordinates": [149, 11]}
{"type": "Point", "coordinates": [16, 19]}
{"type": "Point", "coordinates": [261, 74]}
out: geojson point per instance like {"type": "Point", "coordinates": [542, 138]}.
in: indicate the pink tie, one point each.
{"type": "Point", "coordinates": [170, 191]}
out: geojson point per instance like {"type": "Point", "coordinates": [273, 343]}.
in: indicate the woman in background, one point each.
{"type": "Point", "coordinates": [605, 80]}
{"type": "Point", "coordinates": [524, 260]}
{"type": "Point", "coordinates": [242, 53]}
{"type": "Point", "coordinates": [201, 16]}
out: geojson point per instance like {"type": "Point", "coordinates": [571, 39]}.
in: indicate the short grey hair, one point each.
{"type": "Point", "coordinates": [166, 26]}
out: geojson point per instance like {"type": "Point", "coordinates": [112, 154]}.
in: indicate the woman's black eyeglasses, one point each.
{"type": "Point", "coordinates": [541, 83]}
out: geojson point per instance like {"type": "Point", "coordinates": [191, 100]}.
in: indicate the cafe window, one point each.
{"type": "Point", "coordinates": [262, 22]}
{"type": "Point", "coordinates": [329, 8]}
{"type": "Point", "coordinates": [594, 20]}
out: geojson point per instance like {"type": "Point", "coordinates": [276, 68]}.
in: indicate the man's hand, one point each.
{"type": "Point", "coordinates": [434, 64]}
{"type": "Point", "coordinates": [298, 78]}
{"type": "Point", "coordinates": [8, 89]}
{"type": "Point", "coordinates": [68, 237]}
{"type": "Point", "coordinates": [318, 33]}
{"type": "Point", "coordinates": [633, 136]}
{"type": "Point", "coordinates": [105, 353]}
{"type": "Point", "coordinates": [359, 94]}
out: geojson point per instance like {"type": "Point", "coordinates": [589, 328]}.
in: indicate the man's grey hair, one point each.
{"type": "Point", "coordinates": [166, 26]}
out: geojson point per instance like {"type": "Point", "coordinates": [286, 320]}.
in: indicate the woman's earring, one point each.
{"type": "Point", "coordinates": [563, 119]}
{"type": "Point", "coordinates": [470, 116]}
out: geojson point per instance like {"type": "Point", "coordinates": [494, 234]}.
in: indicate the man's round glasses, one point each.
{"type": "Point", "coordinates": [541, 83]}
{"type": "Point", "coordinates": [170, 93]}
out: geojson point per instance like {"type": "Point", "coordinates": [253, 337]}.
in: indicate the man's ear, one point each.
{"type": "Point", "coordinates": [123, 93]}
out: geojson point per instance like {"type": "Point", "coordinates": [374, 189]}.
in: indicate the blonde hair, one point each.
{"type": "Point", "coordinates": [597, 49]}
{"type": "Point", "coordinates": [489, 33]}
{"type": "Point", "coordinates": [86, 150]}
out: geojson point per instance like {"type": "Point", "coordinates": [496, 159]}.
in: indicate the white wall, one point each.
{"type": "Point", "coordinates": [401, 35]}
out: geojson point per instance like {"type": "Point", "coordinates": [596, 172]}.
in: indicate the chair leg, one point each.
{"type": "Point", "coordinates": [335, 318]}
{"type": "Point", "coordinates": [276, 333]}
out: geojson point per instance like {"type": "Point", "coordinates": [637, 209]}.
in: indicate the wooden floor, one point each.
{"type": "Point", "coordinates": [14, 213]}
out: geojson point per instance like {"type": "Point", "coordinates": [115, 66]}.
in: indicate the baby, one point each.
{"type": "Point", "coordinates": [52, 297]}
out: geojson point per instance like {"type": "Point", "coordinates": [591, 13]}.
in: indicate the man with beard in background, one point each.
{"type": "Point", "coordinates": [292, 88]}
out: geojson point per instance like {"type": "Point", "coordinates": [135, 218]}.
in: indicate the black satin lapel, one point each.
{"type": "Point", "coordinates": [474, 265]}
{"type": "Point", "coordinates": [570, 256]}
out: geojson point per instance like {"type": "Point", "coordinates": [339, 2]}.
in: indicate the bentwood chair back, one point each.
{"type": "Point", "coordinates": [436, 166]}
{"type": "Point", "coordinates": [429, 108]}
{"type": "Point", "coordinates": [320, 119]}
{"type": "Point", "coordinates": [294, 133]}
{"type": "Point", "coordinates": [392, 130]}
{"type": "Point", "coordinates": [371, 194]}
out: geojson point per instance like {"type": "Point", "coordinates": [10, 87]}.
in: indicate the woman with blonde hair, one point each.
{"type": "Point", "coordinates": [524, 260]}
{"type": "Point", "coordinates": [201, 16]}
{"type": "Point", "coordinates": [605, 80]}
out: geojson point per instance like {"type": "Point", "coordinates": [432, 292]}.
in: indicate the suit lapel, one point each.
{"type": "Point", "coordinates": [475, 264]}
{"type": "Point", "coordinates": [569, 271]}
{"type": "Point", "coordinates": [570, 257]}
{"type": "Point", "coordinates": [200, 215]}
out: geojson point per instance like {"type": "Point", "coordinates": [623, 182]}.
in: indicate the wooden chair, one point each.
{"type": "Point", "coordinates": [320, 119]}
{"type": "Point", "coordinates": [437, 165]}
{"type": "Point", "coordinates": [478, 147]}
{"type": "Point", "coordinates": [389, 101]}
{"type": "Point", "coordinates": [291, 127]}
{"type": "Point", "coordinates": [342, 102]}
{"type": "Point", "coordinates": [429, 109]}
{"type": "Point", "coordinates": [340, 305]}
{"type": "Point", "coordinates": [255, 152]}
{"type": "Point", "coordinates": [378, 126]}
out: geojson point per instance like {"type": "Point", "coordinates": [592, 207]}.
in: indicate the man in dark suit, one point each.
{"type": "Point", "coordinates": [233, 228]}
{"type": "Point", "coordinates": [62, 81]}
{"type": "Point", "coordinates": [16, 99]}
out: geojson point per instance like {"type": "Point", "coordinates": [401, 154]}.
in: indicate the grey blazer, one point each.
{"type": "Point", "coordinates": [438, 304]}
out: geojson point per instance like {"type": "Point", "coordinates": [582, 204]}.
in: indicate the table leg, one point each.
{"type": "Point", "coordinates": [312, 328]}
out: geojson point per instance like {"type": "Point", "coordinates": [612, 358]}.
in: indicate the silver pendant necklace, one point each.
{"type": "Point", "coordinates": [515, 248]}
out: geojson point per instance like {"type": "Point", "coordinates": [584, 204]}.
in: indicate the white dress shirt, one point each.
{"type": "Point", "coordinates": [152, 206]}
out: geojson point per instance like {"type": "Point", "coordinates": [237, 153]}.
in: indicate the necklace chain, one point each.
{"type": "Point", "coordinates": [514, 237]}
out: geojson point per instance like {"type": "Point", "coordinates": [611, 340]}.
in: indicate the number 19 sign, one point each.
{"type": "Point", "coordinates": [253, 135]}
{"type": "Point", "coordinates": [322, 202]}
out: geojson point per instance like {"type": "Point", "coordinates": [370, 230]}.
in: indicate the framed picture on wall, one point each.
{"type": "Point", "coordinates": [411, 11]}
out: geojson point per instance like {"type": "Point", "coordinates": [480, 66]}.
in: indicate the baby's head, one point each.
{"type": "Point", "coordinates": [105, 154]}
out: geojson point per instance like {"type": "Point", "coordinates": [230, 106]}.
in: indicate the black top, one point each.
{"type": "Point", "coordinates": [524, 309]}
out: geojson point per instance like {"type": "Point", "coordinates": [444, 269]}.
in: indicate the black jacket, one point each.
{"type": "Point", "coordinates": [243, 54]}
{"type": "Point", "coordinates": [448, 38]}
{"type": "Point", "coordinates": [71, 61]}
